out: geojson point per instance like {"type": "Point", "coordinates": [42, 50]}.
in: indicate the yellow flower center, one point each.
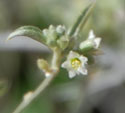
{"type": "Point", "coordinates": [75, 63]}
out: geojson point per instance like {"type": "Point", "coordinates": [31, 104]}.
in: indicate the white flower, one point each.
{"type": "Point", "coordinates": [95, 39]}
{"type": "Point", "coordinates": [75, 64]}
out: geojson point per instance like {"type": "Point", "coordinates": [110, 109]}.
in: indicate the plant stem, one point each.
{"type": "Point", "coordinates": [55, 67]}
{"type": "Point", "coordinates": [37, 92]}
{"type": "Point", "coordinates": [56, 59]}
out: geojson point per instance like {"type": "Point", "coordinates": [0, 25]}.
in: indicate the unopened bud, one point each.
{"type": "Point", "coordinates": [86, 45]}
{"type": "Point", "coordinates": [60, 29]}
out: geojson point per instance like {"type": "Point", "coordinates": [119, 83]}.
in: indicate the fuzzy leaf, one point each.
{"type": "Point", "coordinates": [81, 20]}
{"type": "Point", "coordinates": [29, 31]}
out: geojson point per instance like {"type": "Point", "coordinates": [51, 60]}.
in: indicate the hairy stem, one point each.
{"type": "Point", "coordinates": [56, 59]}
{"type": "Point", "coordinates": [55, 67]}
{"type": "Point", "coordinates": [37, 92]}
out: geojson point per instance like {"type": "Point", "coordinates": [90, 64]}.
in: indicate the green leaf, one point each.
{"type": "Point", "coordinates": [29, 31]}
{"type": "Point", "coordinates": [81, 20]}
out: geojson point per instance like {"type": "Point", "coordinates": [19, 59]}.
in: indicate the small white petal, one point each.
{"type": "Point", "coordinates": [83, 70]}
{"type": "Point", "coordinates": [65, 64]}
{"type": "Point", "coordinates": [97, 42]}
{"type": "Point", "coordinates": [83, 59]}
{"type": "Point", "coordinates": [91, 35]}
{"type": "Point", "coordinates": [72, 54]}
{"type": "Point", "coordinates": [72, 74]}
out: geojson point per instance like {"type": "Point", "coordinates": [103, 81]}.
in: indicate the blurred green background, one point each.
{"type": "Point", "coordinates": [19, 73]}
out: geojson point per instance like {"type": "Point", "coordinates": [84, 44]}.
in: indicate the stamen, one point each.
{"type": "Point", "coordinates": [75, 63]}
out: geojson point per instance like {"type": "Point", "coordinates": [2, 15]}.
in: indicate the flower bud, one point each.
{"type": "Point", "coordinates": [91, 43]}
{"type": "Point", "coordinates": [60, 29]}
{"type": "Point", "coordinates": [51, 35]}
{"type": "Point", "coordinates": [56, 36]}
{"type": "Point", "coordinates": [63, 42]}
{"type": "Point", "coordinates": [44, 66]}
{"type": "Point", "coordinates": [86, 45]}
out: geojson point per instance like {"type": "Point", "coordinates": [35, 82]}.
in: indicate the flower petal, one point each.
{"type": "Point", "coordinates": [83, 70]}
{"type": "Point", "coordinates": [72, 74]}
{"type": "Point", "coordinates": [91, 35]}
{"type": "Point", "coordinates": [83, 59]}
{"type": "Point", "coordinates": [72, 54]}
{"type": "Point", "coordinates": [97, 42]}
{"type": "Point", "coordinates": [65, 64]}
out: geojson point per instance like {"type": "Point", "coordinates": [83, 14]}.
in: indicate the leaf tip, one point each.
{"type": "Point", "coordinates": [10, 37]}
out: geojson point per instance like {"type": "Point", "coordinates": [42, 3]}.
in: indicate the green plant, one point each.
{"type": "Point", "coordinates": [57, 39]}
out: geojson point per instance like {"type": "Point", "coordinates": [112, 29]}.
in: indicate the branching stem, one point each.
{"type": "Point", "coordinates": [37, 92]}
{"type": "Point", "coordinates": [55, 66]}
